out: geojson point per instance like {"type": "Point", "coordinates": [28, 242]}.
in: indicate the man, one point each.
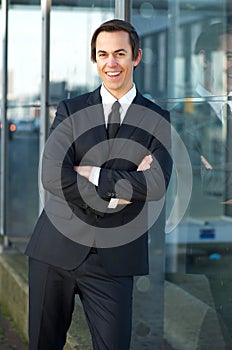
{"type": "Point", "coordinates": [206, 118]}
{"type": "Point", "coordinates": [214, 53]}
{"type": "Point", "coordinates": [87, 240]}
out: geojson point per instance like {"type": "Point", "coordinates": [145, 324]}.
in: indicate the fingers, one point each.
{"type": "Point", "coordinates": [123, 202]}
{"type": "Point", "coordinates": [206, 163]}
{"type": "Point", "coordinates": [84, 170]}
{"type": "Point", "coordinates": [145, 163]}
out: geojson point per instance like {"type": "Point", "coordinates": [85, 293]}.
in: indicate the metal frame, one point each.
{"type": "Point", "coordinates": [4, 131]}
{"type": "Point", "coordinates": [45, 59]}
{"type": "Point", "coordinates": [123, 9]}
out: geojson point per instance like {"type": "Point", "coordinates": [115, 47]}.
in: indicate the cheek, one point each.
{"type": "Point", "coordinates": [99, 66]}
{"type": "Point", "coordinates": [130, 70]}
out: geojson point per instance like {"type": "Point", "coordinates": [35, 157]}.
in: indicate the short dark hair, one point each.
{"type": "Point", "coordinates": [116, 25]}
{"type": "Point", "coordinates": [209, 38]}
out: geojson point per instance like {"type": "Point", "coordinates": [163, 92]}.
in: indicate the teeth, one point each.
{"type": "Point", "coordinates": [113, 73]}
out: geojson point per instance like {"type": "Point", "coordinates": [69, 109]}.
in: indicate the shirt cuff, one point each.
{"type": "Point", "coordinates": [94, 175]}
{"type": "Point", "coordinates": [113, 203]}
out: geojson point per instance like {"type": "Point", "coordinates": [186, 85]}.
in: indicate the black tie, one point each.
{"type": "Point", "coordinates": [113, 120]}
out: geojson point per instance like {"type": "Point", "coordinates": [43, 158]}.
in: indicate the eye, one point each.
{"type": "Point", "coordinates": [101, 54]}
{"type": "Point", "coordinates": [120, 54]}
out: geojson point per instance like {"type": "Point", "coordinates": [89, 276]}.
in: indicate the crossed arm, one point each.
{"type": "Point", "coordinates": [206, 164]}
{"type": "Point", "coordinates": [61, 178]}
{"type": "Point", "coordinates": [86, 170]}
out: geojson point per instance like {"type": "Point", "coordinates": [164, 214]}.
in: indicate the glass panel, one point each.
{"type": "Point", "coordinates": [1, 54]}
{"type": "Point", "coordinates": [71, 70]}
{"type": "Point", "coordinates": [151, 21]}
{"type": "Point", "coordinates": [187, 69]}
{"type": "Point", "coordinates": [22, 189]}
{"type": "Point", "coordinates": [24, 54]}
{"type": "Point", "coordinates": [24, 70]}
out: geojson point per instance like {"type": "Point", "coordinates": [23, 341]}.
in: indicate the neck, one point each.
{"type": "Point", "coordinates": [118, 94]}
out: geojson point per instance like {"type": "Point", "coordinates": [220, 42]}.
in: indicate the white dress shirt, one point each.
{"type": "Point", "coordinates": [107, 102]}
{"type": "Point", "coordinates": [216, 105]}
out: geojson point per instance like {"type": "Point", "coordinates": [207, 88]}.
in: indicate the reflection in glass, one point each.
{"type": "Point", "coordinates": [187, 69]}
{"type": "Point", "coordinates": [198, 250]}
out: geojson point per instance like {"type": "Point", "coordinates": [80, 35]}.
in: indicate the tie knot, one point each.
{"type": "Point", "coordinates": [115, 107]}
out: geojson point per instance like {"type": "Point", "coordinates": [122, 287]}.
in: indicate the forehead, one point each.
{"type": "Point", "coordinates": [112, 40]}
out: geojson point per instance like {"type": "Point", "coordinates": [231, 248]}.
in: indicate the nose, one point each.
{"type": "Point", "coordinates": [111, 61]}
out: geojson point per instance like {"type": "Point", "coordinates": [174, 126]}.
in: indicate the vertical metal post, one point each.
{"type": "Point", "coordinates": [123, 9]}
{"type": "Point", "coordinates": [4, 130]}
{"type": "Point", "coordinates": [173, 36]}
{"type": "Point", "coordinates": [44, 115]}
{"type": "Point", "coordinates": [228, 157]}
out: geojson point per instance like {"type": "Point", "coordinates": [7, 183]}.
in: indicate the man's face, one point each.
{"type": "Point", "coordinates": [114, 62]}
{"type": "Point", "coordinates": [221, 66]}
{"type": "Point", "coordinates": [227, 39]}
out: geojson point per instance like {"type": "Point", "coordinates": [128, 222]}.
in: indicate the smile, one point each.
{"type": "Point", "coordinates": [113, 74]}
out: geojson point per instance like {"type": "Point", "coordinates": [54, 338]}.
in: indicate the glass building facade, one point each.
{"type": "Point", "coordinates": [186, 301]}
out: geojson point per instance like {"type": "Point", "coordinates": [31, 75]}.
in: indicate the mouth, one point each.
{"type": "Point", "coordinates": [113, 74]}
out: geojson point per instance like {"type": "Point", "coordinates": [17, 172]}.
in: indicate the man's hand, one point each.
{"type": "Point", "coordinates": [145, 163]}
{"type": "Point", "coordinates": [206, 164]}
{"type": "Point", "coordinates": [84, 170]}
{"type": "Point", "coordinates": [123, 202]}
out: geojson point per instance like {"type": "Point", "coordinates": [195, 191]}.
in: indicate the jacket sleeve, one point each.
{"type": "Point", "coordinates": [58, 174]}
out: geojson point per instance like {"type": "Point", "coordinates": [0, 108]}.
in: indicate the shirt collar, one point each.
{"type": "Point", "coordinates": [108, 100]}
{"type": "Point", "coordinates": [127, 99]}
{"type": "Point", "coordinates": [216, 105]}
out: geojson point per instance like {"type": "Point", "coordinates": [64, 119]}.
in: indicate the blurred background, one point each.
{"type": "Point", "coordinates": [187, 69]}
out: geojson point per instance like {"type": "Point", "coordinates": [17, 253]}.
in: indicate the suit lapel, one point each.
{"type": "Point", "coordinates": [132, 120]}
{"type": "Point", "coordinates": [95, 114]}
{"type": "Point", "coordinates": [133, 117]}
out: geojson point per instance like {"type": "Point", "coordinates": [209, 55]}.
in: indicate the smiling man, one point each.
{"type": "Point", "coordinates": [89, 239]}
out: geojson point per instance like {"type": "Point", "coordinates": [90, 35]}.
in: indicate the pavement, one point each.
{"type": "Point", "coordinates": [9, 338]}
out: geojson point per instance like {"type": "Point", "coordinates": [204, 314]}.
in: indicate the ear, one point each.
{"type": "Point", "coordinates": [138, 59]}
{"type": "Point", "coordinates": [202, 58]}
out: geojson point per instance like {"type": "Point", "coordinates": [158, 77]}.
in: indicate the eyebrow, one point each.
{"type": "Point", "coordinates": [116, 51]}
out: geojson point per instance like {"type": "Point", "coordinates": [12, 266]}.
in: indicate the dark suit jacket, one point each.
{"type": "Point", "coordinates": [76, 214]}
{"type": "Point", "coordinates": [201, 130]}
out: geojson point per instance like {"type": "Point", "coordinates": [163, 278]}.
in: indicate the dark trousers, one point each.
{"type": "Point", "coordinates": [106, 300]}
